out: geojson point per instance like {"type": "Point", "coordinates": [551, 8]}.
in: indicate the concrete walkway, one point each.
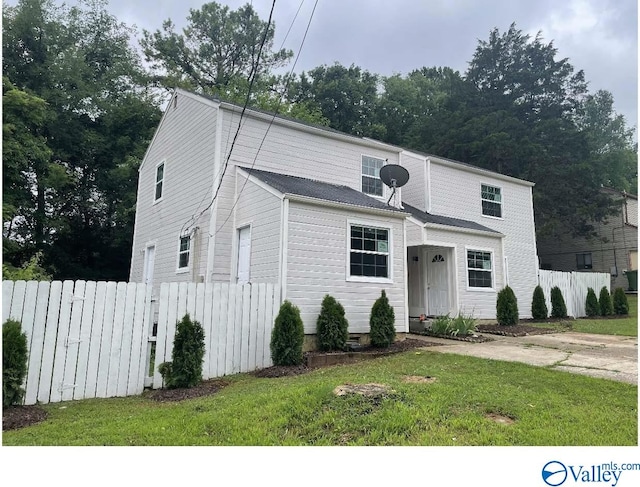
{"type": "Point", "coordinates": [605, 356]}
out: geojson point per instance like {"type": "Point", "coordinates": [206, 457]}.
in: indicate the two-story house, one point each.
{"type": "Point", "coordinates": [231, 197]}
{"type": "Point", "coordinates": [613, 249]}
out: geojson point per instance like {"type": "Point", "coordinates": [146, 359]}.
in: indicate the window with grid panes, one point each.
{"type": "Point", "coordinates": [369, 255]}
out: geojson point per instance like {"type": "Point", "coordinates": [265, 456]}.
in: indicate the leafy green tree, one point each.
{"type": "Point", "coordinates": [539, 309]}
{"type": "Point", "coordinates": [606, 307]}
{"type": "Point", "coordinates": [332, 327]}
{"type": "Point", "coordinates": [507, 307]}
{"type": "Point", "coordinates": [592, 307]}
{"type": "Point", "coordinates": [287, 336]}
{"type": "Point", "coordinates": [382, 320]}
{"type": "Point", "coordinates": [14, 362]}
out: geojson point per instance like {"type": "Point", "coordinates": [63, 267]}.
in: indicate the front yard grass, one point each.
{"type": "Point", "coordinates": [548, 408]}
{"type": "Point", "coordinates": [611, 326]}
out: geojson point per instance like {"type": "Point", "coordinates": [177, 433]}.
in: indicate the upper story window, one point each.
{"type": "Point", "coordinates": [159, 181]}
{"type": "Point", "coordinates": [491, 201]}
{"type": "Point", "coordinates": [369, 252]}
{"type": "Point", "coordinates": [584, 261]}
{"type": "Point", "coordinates": [183, 252]}
{"type": "Point", "coordinates": [371, 182]}
{"type": "Point", "coordinates": [479, 268]}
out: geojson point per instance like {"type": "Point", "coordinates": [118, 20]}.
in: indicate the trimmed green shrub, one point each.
{"type": "Point", "coordinates": [592, 307]}
{"type": "Point", "coordinates": [606, 307]}
{"type": "Point", "coordinates": [539, 310]}
{"type": "Point", "coordinates": [558, 307]}
{"type": "Point", "coordinates": [287, 336]}
{"type": "Point", "coordinates": [382, 322]}
{"type": "Point", "coordinates": [332, 327]}
{"type": "Point", "coordinates": [441, 325]}
{"type": "Point", "coordinates": [185, 368]}
{"type": "Point", "coordinates": [507, 307]}
{"type": "Point", "coordinates": [620, 302]}
{"type": "Point", "coordinates": [14, 362]}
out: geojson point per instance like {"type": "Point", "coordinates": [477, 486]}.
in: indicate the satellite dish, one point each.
{"type": "Point", "coordinates": [394, 176]}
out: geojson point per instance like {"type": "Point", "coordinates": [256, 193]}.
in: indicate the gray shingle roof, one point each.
{"type": "Point", "coordinates": [425, 217]}
{"type": "Point", "coordinates": [324, 191]}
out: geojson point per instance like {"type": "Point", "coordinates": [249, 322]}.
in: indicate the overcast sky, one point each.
{"type": "Point", "coordinates": [397, 36]}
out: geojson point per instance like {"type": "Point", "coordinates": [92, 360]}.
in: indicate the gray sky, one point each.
{"type": "Point", "coordinates": [397, 36]}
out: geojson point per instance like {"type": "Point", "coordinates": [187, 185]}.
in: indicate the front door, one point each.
{"type": "Point", "coordinates": [244, 255]}
{"type": "Point", "coordinates": [437, 283]}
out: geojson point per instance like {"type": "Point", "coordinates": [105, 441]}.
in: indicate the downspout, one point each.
{"type": "Point", "coordinates": [217, 158]}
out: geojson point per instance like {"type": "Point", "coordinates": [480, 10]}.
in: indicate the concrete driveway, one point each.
{"type": "Point", "coordinates": [605, 356]}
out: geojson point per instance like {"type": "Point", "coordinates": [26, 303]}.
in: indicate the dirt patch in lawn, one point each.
{"type": "Point", "coordinates": [468, 338]}
{"type": "Point", "coordinates": [499, 418]}
{"type": "Point", "coordinates": [16, 417]}
{"type": "Point", "coordinates": [205, 388]}
{"type": "Point", "coordinates": [418, 379]}
{"type": "Point", "coordinates": [518, 330]}
{"type": "Point", "coordinates": [326, 359]}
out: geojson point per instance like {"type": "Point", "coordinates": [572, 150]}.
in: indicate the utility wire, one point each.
{"type": "Point", "coordinates": [289, 77]}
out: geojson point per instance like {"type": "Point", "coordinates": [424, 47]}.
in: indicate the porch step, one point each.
{"type": "Point", "coordinates": [417, 326]}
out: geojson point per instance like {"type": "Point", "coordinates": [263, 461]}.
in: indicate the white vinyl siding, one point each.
{"type": "Point", "coordinates": [316, 266]}
{"type": "Point", "coordinates": [185, 139]}
{"type": "Point", "coordinates": [415, 192]}
{"type": "Point", "coordinates": [516, 224]}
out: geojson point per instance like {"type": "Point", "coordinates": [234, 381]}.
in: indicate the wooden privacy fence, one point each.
{"type": "Point", "coordinates": [574, 286]}
{"type": "Point", "coordinates": [237, 321]}
{"type": "Point", "coordinates": [94, 339]}
{"type": "Point", "coordinates": [85, 339]}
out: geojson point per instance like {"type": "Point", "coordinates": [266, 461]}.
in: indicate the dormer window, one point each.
{"type": "Point", "coordinates": [371, 182]}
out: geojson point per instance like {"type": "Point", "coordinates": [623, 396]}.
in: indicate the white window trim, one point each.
{"type": "Point", "coordinates": [492, 252]}
{"type": "Point", "coordinates": [183, 270]}
{"type": "Point", "coordinates": [385, 161]}
{"type": "Point", "coordinates": [373, 224]}
{"type": "Point", "coordinates": [493, 185]}
{"type": "Point", "coordinates": [155, 182]}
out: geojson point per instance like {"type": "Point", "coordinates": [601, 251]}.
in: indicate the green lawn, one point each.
{"type": "Point", "coordinates": [624, 326]}
{"type": "Point", "coordinates": [549, 408]}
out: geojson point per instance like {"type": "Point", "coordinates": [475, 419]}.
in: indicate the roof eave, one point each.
{"type": "Point", "coordinates": [336, 204]}
{"type": "Point", "coordinates": [450, 228]}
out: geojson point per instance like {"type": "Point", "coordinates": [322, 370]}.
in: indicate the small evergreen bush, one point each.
{"type": "Point", "coordinates": [539, 310]}
{"type": "Point", "coordinates": [287, 336]}
{"type": "Point", "coordinates": [14, 362]}
{"type": "Point", "coordinates": [558, 307]}
{"type": "Point", "coordinates": [592, 307]}
{"type": "Point", "coordinates": [620, 302]}
{"type": "Point", "coordinates": [382, 322]}
{"type": "Point", "coordinates": [332, 327]}
{"type": "Point", "coordinates": [606, 308]}
{"type": "Point", "coordinates": [507, 307]}
{"type": "Point", "coordinates": [185, 368]}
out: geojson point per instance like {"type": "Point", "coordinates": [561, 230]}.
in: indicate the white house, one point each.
{"type": "Point", "coordinates": [302, 206]}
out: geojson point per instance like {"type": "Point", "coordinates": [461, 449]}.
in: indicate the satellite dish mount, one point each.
{"type": "Point", "coordinates": [394, 176]}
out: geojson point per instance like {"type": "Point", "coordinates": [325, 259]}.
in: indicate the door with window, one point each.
{"type": "Point", "coordinates": [244, 255]}
{"type": "Point", "coordinates": [149, 260]}
{"type": "Point", "coordinates": [437, 283]}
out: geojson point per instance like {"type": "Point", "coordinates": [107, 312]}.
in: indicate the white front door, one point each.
{"type": "Point", "coordinates": [244, 255]}
{"type": "Point", "coordinates": [437, 283]}
{"type": "Point", "coordinates": [149, 260]}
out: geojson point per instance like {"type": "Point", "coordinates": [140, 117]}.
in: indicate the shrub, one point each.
{"type": "Point", "coordinates": [185, 368]}
{"type": "Point", "coordinates": [539, 309]}
{"type": "Point", "coordinates": [441, 325]}
{"type": "Point", "coordinates": [507, 307]}
{"type": "Point", "coordinates": [332, 327]}
{"type": "Point", "coordinates": [463, 325]}
{"type": "Point", "coordinates": [287, 336]}
{"type": "Point", "coordinates": [558, 307]}
{"type": "Point", "coordinates": [620, 302]}
{"type": "Point", "coordinates": [382, 322]}
{"type": "Point", "coordinates": [606, 308]}
{"type": "Point", "coordinates": [592, 307]}
{"type": "Point", "coordinates": [14, 362]}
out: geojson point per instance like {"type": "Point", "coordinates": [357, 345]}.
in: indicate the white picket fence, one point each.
{"type": "Point", "coordinates": [574, 286]}
{"type": "Point", "coordinates": [92, 339]}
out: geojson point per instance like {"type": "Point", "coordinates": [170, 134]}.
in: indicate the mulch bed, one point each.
{"type": "Point", "coordinates": [205, 388]}
{"type": "Point", "coordinates": [16, 417]}
{"type": "Point", "coordinates": [514, 330]}
{"type": "Point", "coordinates": [469, 338]}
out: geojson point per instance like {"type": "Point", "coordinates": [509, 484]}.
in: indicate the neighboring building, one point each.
{"type": "Point", "coordinates": [303, 207]}
{"type": "Point", "coordinates": [613, 250]}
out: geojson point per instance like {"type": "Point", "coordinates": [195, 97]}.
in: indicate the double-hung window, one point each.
{"type": "Point", "coordinates": [184, 252]}
{"type": "Point", "coordinates": [584, 261]}
{"type": "Point", "coordinates": [479, 268]}
{"type": "Point", "coordinates": [491, 201]}
{"type": "Point", "coordinates": [159, 181]}
{"type": "Point", "coordinates": [371, 182]}
{"type": "Point", "coordinates": [369, 252]}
